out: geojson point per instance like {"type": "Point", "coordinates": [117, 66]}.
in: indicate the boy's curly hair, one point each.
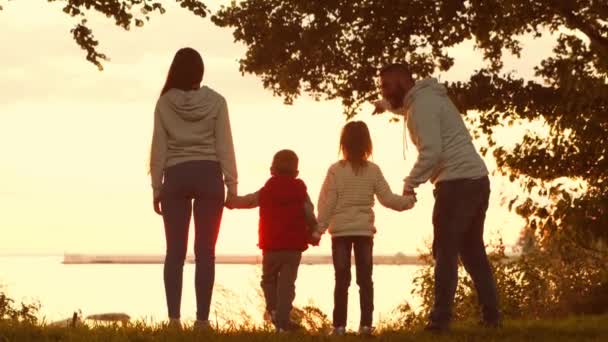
{"type": "Point", "coordinates": [285, 163]}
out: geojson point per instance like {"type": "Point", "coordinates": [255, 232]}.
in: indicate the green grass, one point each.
{"type": "Point", "coordinates": [594, 328]}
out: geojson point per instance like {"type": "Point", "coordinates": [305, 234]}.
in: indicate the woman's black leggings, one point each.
{"type": "Point", "coordinates": [193, 188]}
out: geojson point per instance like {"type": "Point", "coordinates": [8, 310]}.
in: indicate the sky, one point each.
{"type": "Point", "coordinates": [75, 141]}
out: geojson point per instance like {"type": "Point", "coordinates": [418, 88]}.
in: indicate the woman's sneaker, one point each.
{"type": "Point", "coordinates": [366, 331]}
{"type": "Point", "coordinates": [202, 326]}
{"type": "Point", "coordinates": [339, 331]}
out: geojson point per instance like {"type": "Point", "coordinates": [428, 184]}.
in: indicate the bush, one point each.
{"type": "Point", "coordinates": [556, 281]}
{"type": "Point", "coordinates": [311, 318]}
{"type": "Point", "coordinates": [23, 313]}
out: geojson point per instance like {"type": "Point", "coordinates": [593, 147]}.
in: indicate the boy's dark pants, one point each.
{"type": "Point", "coordinates": [279, 274]}
{"type": "Point", "coordinates": [341, 248]}
{"type": "Point", "coordinates": [458, 224]}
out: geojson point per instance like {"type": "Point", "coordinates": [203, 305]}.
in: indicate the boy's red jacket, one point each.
{"type": "Point", "coordinates": [282, 220]}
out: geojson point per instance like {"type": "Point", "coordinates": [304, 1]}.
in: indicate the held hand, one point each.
{"type": "Point", "coordinates": [157, 206]}
{"type": "Point", "coordinates": [378, 108]}
{"type": "Point", "coordinates": [230, 201]}
{"type": "Point", "coordinates": [410, 197]}
{"type": "Point", "coordinates": [407, 191]}
{"type": "Point", "coordinates": [315, 238]}
{"type": "Point", "coordinates": [410, 201]}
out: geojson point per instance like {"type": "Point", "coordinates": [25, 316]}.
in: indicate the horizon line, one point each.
{"type": "Point", "coordinates": [226, 259]}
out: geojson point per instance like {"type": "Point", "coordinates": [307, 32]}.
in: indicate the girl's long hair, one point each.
{"type": "Point", "coordinates": [356, 144]}
{"type": "Point", "coordinates": [186, 71]}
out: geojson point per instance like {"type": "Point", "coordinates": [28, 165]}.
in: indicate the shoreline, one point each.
{"type": "Point", "coordinates": [80, 259]}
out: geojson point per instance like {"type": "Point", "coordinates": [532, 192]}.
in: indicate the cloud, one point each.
{"type": "Point", "coordinates": [42, 63]}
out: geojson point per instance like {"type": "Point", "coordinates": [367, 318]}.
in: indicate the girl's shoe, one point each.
{"type": "Point", "coordinates": [339, 331]}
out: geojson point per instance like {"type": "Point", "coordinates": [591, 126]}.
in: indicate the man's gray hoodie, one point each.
{"type": "Point", "coordinates": [192, 125]}
{"type": "Point", "coordinates": [445, 147]}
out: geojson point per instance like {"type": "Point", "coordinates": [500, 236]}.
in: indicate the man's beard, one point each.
{"type": "Point", "coordinates": [397, 97]}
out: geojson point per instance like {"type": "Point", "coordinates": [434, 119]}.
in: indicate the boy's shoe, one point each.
{"type": "Point", "coordinates": [339, 331]}
{"type": "Point", "coordinates": [202, 326]}
{"type": "Point", "coordinates": [290, 327]}
{"type": "Point", "coordinates": [438, 328]}
{"type": "Point", "coordinates": [270, 316]}
{"type": "Point", "coordinates": [366, 331]}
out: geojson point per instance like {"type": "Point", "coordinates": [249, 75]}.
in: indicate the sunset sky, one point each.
{"type": "Point", "coordinates": [75, 141]}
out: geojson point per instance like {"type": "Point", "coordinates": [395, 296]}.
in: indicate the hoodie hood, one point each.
{"type": "Point", "coordinates": [426, 86]}
{"type": "Point", "coordinates": [193, 105]}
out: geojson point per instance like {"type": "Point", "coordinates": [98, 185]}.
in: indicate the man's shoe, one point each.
{"type": "Point", "coordinates": [366, 331]}
{"type": "Point", "coordinates": [339, 331]}
{"type": "Point", "coordinates": [435, 327]}
{"type": "Point", "coordinates": [491, 324]}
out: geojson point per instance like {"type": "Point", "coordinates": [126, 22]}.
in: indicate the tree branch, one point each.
{"type": "Point", "coordinates": [598, 42]}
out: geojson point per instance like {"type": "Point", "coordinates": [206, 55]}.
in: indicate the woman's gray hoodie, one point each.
{"type": "Point", "coordinates": [192, 125]}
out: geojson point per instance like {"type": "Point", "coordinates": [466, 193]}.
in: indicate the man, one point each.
{"type": "Point", "coordinates": [449, 160]}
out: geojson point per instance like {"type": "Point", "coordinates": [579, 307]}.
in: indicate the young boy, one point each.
{"type": "Point", "coordinates": [287, 223]}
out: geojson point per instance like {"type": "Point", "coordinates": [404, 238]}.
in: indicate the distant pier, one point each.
{"type": "Point", "coordinates": [75, 259]}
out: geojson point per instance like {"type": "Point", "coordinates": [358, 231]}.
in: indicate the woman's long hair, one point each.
{"type": "Point", "coordinates": [186, 71]}
{"type": "Point", "coordinates": [356, 144]}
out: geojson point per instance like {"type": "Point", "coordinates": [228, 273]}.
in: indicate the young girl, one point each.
{"type": "Point", "coordinates": [345, 208]}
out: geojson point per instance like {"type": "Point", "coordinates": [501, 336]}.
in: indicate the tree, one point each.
{"type": "Point", "coordinates": [125, 13]}
{"type": "Point", "coordinates": [330, 49]}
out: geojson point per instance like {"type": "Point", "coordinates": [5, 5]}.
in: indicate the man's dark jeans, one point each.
{"type": "Point", "coordinates": [194, 187]}
{"type": "Point", "coordinates": [458, 224]}
{"type": "Point", "coordinates": [341, 248]}
{"type": "Point", "coordinates": [279, 274]}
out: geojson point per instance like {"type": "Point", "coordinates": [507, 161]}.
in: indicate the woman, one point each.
{"type": "Point", "coordinates": [192, 158]}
